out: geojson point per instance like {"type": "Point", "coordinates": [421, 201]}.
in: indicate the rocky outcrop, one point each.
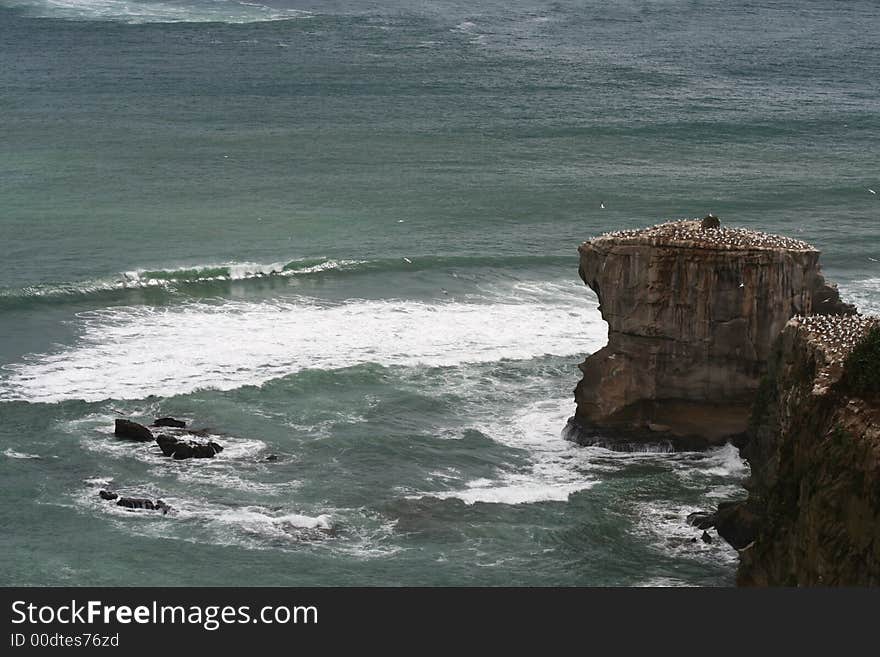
{"type": "Point", "coordinates": [733, 521]}
{"type": "Point", "coordinates": [812, 516]}
{"type": "Point", "coordinates": [692, 310]}
{"type": "Point", "coordinates": [136, 503]}
{"type": "Point", "coordinates": [129, 430]}
{"type": "Point", "coordinates": [169, 422]}
{"type": "Point", "coordinates": [170, 444]}
{"type": "Point", "coordinates": [187, 449]}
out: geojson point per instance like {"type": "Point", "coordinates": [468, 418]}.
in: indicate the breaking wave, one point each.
{"type": "Point", "coordinates": [133, 352]}
{"type": "Point", "coordinates": [179, 278]}
{"type": "Point", "coordinates": [150, 11]}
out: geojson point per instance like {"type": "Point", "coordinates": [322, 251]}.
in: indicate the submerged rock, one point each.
{"type": "Point", "coordinates": [131, 431]}
{"type": "Point", "coordinates": [107, 495]}
{"type": "Point", "coordinates": [187, 449]}
{"type": "Point", "coordinates": [692, 311]}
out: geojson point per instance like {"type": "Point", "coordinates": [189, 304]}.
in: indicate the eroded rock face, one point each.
{"type": "Point", "coordinates": [814, 452]}
{"type": "Point", "coordinates": [692, 312]}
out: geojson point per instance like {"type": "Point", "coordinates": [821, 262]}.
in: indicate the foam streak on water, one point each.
{"type": "Point", "coordinates": [558, 468]}
{"type": "Point", "coordinates": [133, 352]}
{"type": "Point", "coordinates": [171, 11]}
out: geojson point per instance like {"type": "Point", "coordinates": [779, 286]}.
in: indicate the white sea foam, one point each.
{"type": "Point", "coordinates": [99, 481]}
{"type": "Point", "coordinates": [224, 475]}
{"type": "Point", "coordinates": [722, 462]}
{"type": "Point", "coordinates": [252, 527]}
{"type": "Point", "coordinates": [527, 492]}
{"type": "Point", "coordinates": [469, 28]}
{"type": "Point", "coordinates": [133, 352]}
{"type": "Point", "coordinates": [557, 468]}
{"type": "Point", "coordinates": [662, 582]}
{"type": "Point", "coordinates": [12, 454]}
{"type": "Point", "coordinates": [665, 524]}
{"type": "Point", "coordinates": [258, 520]}
{"type": "Point", "coordinates": [864, 293]}
{"type": "Point", "coordinates": [151, 11]}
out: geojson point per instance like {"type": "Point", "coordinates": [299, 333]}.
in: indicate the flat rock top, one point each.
{"type": "Point", "coordinates": [689, 233]}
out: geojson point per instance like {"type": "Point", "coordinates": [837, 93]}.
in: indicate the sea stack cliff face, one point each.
{"type": "Point", "coordinates": [693, 309]}
{"type": "Point", "coordinates": [813, 512]}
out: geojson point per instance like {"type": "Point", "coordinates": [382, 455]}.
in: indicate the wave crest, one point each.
{"type": "Point", "coordinates": [150, 11]}
{"type": "Point", "coordinates": [133, 352]}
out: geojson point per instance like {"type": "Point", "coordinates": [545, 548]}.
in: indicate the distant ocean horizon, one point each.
{"type": "Point", "coordinates": [342, 237]}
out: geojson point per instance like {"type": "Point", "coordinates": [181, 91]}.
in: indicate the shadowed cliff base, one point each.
{"type": "Point", "coordinates": [692, 309]}
{"type": "Point", "coordinates": [669, 425]}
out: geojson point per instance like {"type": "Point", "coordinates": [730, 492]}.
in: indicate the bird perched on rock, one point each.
{"type": "Point", "coordinates": [710, 221]}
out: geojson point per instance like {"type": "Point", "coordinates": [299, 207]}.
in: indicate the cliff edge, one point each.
{"type": "Point", "coordinates": [813, 512]}
{"type": "Point", "coordinates": [693, 309]}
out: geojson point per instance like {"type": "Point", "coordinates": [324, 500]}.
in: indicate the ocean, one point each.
{"type": "Point", "coordinates": [344, 234]}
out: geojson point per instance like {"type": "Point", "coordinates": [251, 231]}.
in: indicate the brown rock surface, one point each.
{"type": "Point", "coordinates": [692, 314]}
{"type": "Point", "coordinates": [814, 452]}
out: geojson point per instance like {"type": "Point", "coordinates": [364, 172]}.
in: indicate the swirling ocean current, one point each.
{"type": "Point", "coordinates": [344, 234]}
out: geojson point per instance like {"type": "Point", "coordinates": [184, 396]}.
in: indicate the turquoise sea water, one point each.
{"type": "Point", "coordinates": [344, 233]}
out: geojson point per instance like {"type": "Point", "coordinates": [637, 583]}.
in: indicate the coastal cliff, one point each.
{"type": "Point", "coordinates": [813, 512]}
{"type": "Point", "coordinates": [693, 309]}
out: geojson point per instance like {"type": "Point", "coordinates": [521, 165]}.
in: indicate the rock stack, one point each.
{"type": "Point", "coordinates": [693, 309]}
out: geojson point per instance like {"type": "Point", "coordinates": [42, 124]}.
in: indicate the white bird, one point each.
{"type": "Point", "coordinates": [407, 260]}
{"type": "Point", "coordinates": [400, 221]}
{"type": "Point", "coordinates": [871, 190]}
{"type": "Point", "coordinates": [742, 284]}
{"type": "Point", "coordinates": [602, 205]}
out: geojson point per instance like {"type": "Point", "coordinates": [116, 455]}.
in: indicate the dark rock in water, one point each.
{"type": "Point", "coordinates": [143, 503]}
{"type": "Point", "coordinates": [271, 458]}
{"type": "Point", "coordinates": [733, 521]}
{"type": "Point", "coordinates": [136, 503]}
{"type": "Point", "coordinates": [169, 422]}
{"type": "Point", "coordinates": [161, 506]}
{"type": "Point", "coordinates": [166, 443]}
{"type": "Point", "coordinates": [701, 519]}
{"type": "Point", "coordinates": [187, 449]}
{"type": "Point", "coordinates": [200, 433]}
{"type": "Point", "coordinates": [107, 495]}
{"type": "Point", "coordinates": [736, 523]}
{"type": "Point", "coordinates": [706, 538]}
{"type": "Point", "coordinates": [710, 221]}
{"type": "Point", "coordinates": [131, 431]}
